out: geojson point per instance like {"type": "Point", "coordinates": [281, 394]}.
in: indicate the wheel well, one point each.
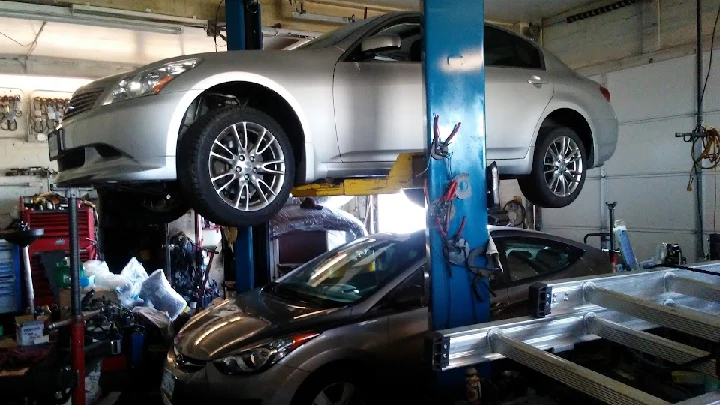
{"type": "Point", "coordinates": [330, 368]}
{"type": "Point", "coordinates": [266, 100]}
{"type": "Point", "coordinates": [575, 121]}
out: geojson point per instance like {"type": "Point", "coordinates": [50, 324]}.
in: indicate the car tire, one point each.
{"type": "Point", "coordinates": [142, 208]}
{"type": "Point", "coordinates": [332, 382]}
{"type": "Point", "coordinates": [555, 182]}
{"type": "Point", "coordinates": [236, 166]}
{"type": "Point", "coordinates": [415, 196]}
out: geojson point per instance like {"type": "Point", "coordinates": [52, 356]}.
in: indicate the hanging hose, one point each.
{"type": "Point", "coordinates": [710, 156]}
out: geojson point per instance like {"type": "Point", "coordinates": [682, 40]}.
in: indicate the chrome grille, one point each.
{"type": "Point", "coordinates": [82, 101]}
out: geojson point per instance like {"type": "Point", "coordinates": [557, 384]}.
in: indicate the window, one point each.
{"type": "Point", "coordinates": [333, 38]}
{"type": "Point", "coordinates": [505, 49]}
{"type": "Point", "coordinates": [410, 51]}
{"type": "Point", "coordinates": [410, 294]}
{"type": "Point", "coordinates": [351, 272]}
{"type": "Point", "coordinates": [528, 258]}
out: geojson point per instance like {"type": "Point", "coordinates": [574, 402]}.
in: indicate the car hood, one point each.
{"type": "Point", "coordinates": [234, 324]}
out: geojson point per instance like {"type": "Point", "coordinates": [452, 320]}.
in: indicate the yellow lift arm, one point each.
{"type": "Point", "coordinates": [405, 173]}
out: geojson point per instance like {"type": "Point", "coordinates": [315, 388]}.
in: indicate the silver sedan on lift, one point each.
{"type": "Point", "coordinates": [229, 134]}
{"type": "Point", "coordinates": [354, 316]}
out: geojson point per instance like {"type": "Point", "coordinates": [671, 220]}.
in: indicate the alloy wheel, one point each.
{"type": "Point", "coordinates": [247, 166]}
{"type": "Point", "coordinates": [338, 394]}
{"type": "Point", "coordinates": [563, 166]}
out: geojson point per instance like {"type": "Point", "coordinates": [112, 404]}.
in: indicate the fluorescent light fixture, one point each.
{"type": "Point", "coordinates": [28, 83]}
{"type": "Point", "coordinates": [24, 11]}
{"type": "Point", "coordinates": [138, 16]}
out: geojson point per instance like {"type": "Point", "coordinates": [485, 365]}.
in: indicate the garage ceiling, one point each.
{"type": "Point", "coordinates": [511, 11]}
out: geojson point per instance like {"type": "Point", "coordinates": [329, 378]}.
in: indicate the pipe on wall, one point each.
{"type": "Point", "coordinates": [699, 217]}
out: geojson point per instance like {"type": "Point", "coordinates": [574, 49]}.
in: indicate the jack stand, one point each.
{"type": "Point", "coordinates": [77, 331]}
{"type": "Point", "coordinates": [23, 237]}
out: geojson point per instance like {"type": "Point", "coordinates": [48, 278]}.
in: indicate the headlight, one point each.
{"type": "Point", "coordinates": [263, 355]}
{"type": "Point", "coordinates": [151, 81]}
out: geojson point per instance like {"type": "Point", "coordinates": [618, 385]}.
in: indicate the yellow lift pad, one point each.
{"type": "Point", "coordinates": [405, 173]}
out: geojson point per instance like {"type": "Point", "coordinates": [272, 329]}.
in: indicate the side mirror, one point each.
{"type": "Point", "coordinates": [381, 42]}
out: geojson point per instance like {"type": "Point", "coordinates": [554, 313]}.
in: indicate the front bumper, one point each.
{"type": "Point", "coordinates": [275, 386]}
{"type": "Point", "coordinates": [126, 142]}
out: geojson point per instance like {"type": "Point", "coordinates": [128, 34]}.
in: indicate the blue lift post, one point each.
{"type": "Point", "coordinates": [455, 82]}
{"type": "Point", "coordinates": [243, 28]}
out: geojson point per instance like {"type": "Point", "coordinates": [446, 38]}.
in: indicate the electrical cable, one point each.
{"type": "Point", "coordinates": [14, 40]}
{"type": "Point", "coordinates": [215, 28]}
{"type": "Point", "coordinates": [710, 63]}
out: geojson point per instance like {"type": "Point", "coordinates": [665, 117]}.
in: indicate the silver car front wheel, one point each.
{"type": "Point", "coordinates": [236, 166]}
{"type": "Point", "coordinates": [247, 166]}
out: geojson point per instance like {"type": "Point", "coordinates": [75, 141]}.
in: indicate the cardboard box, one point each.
{"type": "Point", "coordinates": [29, 331]}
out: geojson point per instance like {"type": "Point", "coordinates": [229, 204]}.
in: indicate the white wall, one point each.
{"type": "Point", "coordinates": [15, 149]}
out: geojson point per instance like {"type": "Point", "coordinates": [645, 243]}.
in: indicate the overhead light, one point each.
{"type": "Point", "coordinates": [13, 9]}
{"type": "Point", "coordinates": [79, 9]}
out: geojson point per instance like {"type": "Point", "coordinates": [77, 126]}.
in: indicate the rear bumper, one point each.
{"type": "Point", "coordinates": [606, 138]}
{"type": "Point", "coordinates": [123, 142]}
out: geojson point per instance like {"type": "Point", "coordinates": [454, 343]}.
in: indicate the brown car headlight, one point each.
{"type": "Point", "coordinates": [263, 355]}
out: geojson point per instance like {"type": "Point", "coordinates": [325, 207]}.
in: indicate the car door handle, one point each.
{"type": "Point", "coordinates": [537, 80]}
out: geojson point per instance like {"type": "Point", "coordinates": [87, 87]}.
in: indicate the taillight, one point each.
{"type": "Point", "coordinates": [605, 92]}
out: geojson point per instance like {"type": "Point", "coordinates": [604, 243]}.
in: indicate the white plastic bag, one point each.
{"type": "Point", "coordinates": [156, 292]}
{"type": "Point", "coordinates": [134, 271]}
{"type": "Point", "coordinates": [135, 274]}
{"type": "Point", "coordinates": [104, 278]}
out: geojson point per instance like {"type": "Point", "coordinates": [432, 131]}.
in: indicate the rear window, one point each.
{"type": "Point", "coordinates": [505, 49]}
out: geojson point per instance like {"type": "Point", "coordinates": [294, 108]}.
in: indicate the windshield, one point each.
{"type": "Point", "coordinates": [333, 38]}
{"type": "Point", "coordinates": [351, 272]}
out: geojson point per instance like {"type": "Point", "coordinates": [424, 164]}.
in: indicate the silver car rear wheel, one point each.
{"type": "Point", "coordinates": [559, 168]}
{"type": "Point", "coordinates": [247, 166]}
{"type": "Point", "coordinates": [563, 166]}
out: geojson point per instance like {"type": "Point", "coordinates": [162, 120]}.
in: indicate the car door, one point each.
{"type": "Point", "coordinates": [529, 259]}
{"type": "Point", "coordinates": [517, 91]}
{"type": "Point", "coordinates": [408, 320]}
{"type": "Point", "coordinates": [379, 97]}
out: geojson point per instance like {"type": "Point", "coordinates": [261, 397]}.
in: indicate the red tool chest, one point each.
{"type": "Point", "coordinates": [56, 224]}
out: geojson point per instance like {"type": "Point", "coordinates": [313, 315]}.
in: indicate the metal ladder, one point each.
{"type": "Point", "coordinates": [618, 308]}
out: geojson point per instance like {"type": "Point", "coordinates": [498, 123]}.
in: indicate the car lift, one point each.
{"type": "Point", "coordinates": [618, 308]}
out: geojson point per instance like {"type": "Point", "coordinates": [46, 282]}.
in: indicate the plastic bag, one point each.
{"type": "Point", "coordinates": [157, 293]}
{"type": "Point", "coordinates": [104, 279]}
{"type": "Point", "coordinates": [134, 271]}
{"type": "Point", "coordinates": [128, 292]}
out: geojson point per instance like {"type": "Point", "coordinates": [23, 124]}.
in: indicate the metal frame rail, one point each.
{"type": "Point", "coordinates": [618, 308]}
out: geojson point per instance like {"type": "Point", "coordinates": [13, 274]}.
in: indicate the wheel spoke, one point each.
{"type": "Point", "coordinates": [225, 148]}
{"type": "Point", "coordinates": [264, 167]}
{"type": "Point", "coordinates": [245, 136]}
{"type": "Point", "coordinates": [222, 158]}
{"type": "Point", "coordinates": [257, 183]}
{"type": "Point", "coordinates": [267, 145]}
{"type": "Point", "coordinates": [243, 187]}
{"type": "Point", "coordinates": [229, 182]}
{"type": "Point", "coordinates": [347, 394]}
{"type": "Point", "coordinates": [259, 140]}
{"type": "Point", "coordinates": [565, 146]}
{"type": "Point", "coordinates": [236, 135]}
{"type": "Point", "coordinates": [322, 399]}
{"type": "Point", "coordinates": [554, 183]}
{"type": "Point", "coordinates": [220, 176]}
{"type": "Point", "coordinates": [563, 183]}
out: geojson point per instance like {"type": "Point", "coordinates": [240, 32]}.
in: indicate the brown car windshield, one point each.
{"type": "Point", "coordinates": [351, 272]}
